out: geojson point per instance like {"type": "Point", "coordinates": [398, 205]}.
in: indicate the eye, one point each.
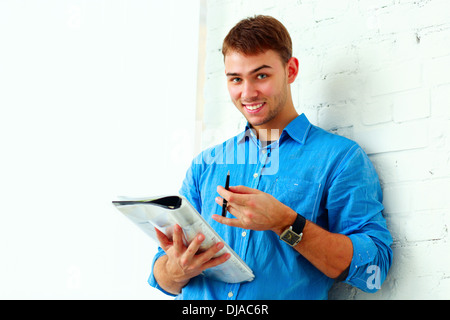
{"type": "Point", "coordinates": [236, 80]}
{"type": "Point", "coordinates": [262, 76]}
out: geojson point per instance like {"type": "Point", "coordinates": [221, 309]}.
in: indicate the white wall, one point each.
{"type": "Point", "coordinates": [376, 72]}
{"type": "Point", "coordinates": [97, 99]}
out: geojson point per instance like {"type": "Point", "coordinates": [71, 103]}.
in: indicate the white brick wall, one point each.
{"type": "Point", "coordinates": [376, 72]}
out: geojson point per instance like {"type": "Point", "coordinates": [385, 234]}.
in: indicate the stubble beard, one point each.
{"type": "Point", "coordinates": [279, 103]}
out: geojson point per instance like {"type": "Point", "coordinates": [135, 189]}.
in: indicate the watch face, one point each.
{"type": "Point", "coordinates": [290, 237]}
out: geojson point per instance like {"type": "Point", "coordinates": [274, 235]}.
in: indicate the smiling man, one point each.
{"type": "Point", "coordinates": [315, 219]}
{"type": "Point", "coordinates": [259, 87]}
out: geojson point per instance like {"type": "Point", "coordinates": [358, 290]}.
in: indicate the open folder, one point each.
{"type": "Point", "coordinates": [164, 212]}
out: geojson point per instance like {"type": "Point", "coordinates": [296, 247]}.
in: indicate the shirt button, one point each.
{"type": "Point", "coordinates": [255, 175]}
{"type": "Point", "coordinates": [264, 151]}
{"type": "Point", "coordinates": [230, 294]}
{"type": "Point", "coordinates": [244, 233]}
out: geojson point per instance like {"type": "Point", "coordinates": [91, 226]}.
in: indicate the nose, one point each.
{"type": "Point", "coordinates": [249, 92]}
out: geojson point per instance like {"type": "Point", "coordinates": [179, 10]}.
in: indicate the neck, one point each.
{"type": "Point", "coordinates": [271, 131]}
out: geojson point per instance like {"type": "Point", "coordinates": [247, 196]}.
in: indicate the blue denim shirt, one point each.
{"type": "Point", "coordinates": [327, 178]}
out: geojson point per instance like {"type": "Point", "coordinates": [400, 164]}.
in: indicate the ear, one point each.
{"type": "Point", "coordinates": [292, 69]}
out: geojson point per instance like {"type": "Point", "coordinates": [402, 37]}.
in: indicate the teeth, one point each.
{"type": "Point", "coordinates": [254, 107]}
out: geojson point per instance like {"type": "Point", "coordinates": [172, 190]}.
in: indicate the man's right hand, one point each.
{"type": "Point", "coordinates": [183, 263]}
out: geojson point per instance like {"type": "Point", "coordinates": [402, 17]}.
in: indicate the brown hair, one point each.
{"type": "Point", "coordinates": [258, 34]}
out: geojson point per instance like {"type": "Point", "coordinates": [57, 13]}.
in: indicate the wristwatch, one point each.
{"type": "Point", "coordinates": [293, 235]}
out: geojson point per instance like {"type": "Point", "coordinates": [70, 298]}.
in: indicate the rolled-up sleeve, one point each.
{"type": "Point", "coordinates": [370, 263]}
{"type": "Point", "coordinates": [151, 279]}
{"type": "Point", "coordinates": [354, 204]}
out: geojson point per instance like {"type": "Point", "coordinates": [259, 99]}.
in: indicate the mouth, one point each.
{"type": "Point", "coordinates": [254, 107]}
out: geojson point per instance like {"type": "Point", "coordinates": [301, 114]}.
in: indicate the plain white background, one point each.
{"type": "Point", "coordinates": [97, 100]}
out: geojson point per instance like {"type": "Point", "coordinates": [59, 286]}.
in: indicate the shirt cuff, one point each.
{"type": "Point", "coordinates": [364, 252]}
{"type": "Point", "coordinates": [151, 279]}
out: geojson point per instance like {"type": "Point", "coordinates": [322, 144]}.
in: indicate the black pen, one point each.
{"type": "Point", "coordinates": [227, 185]}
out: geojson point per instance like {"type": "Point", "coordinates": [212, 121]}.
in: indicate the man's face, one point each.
{"type": "Point", "coordinates": [258, 86]}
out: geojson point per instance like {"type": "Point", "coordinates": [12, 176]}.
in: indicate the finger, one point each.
{"type": "Point", "coordinates": [178, 238]}
{"type": "Point", "coordinates": [227, 221]}
{"type": "Point", "coordinates": [231, 197]}
{"type": "Point", "coordinates": [243, 190]}
{"type": "Point", "coordinates": [216, 261]}
{"type": "Point", "coordinates": [164, 242]}
{"type": "Point", "coordinates": [234, 211]}
{"type": "Point", "coordinates": [219, 201]}
{"type": "Point", "coordinates": [193, 247]}
{"type": "Point", "coordinates": [204, 257]}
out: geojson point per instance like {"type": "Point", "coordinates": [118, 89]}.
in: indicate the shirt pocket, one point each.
{"type": "Point", "coordinates": [302, 196]}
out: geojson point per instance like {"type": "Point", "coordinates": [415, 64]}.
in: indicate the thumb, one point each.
{"type": "Point", "coordinates": [164, 242]}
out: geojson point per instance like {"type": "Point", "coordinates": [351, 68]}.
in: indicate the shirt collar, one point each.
{"type": "Point", "coordinates": [248, 132]}
{"type": "Point", "coordinates": [297, 129]}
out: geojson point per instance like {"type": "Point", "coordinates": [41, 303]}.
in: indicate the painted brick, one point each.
{"type": "Point", "coordinates": [374, 54]}
{"type": "Point", "coordinates": [215, 89]}
{"type": "Point", "coordinates": [336, 116]}
{"type": "Point", "coordinates": [398, 77]}
{"type": "Point", "coordinates": [334, 33]}
{"type": "Point", "coordinates": [298, 16]}
{"type": "Point", "coordinates": [434, 42]}
{"type": "Point", "coordinates": [440, 102]}
{"type": "Point", "coordinates": [407, 17]}
{"type": "Point", "coordinates": [433, 227]}
{"type": "Point", "coordinates": [442, 291]}
{"type": "Point", "coordinates": [324, 9]}
{"type": "Point", "coordinates": [397, 198]}
{"type": "Point", "coordinates": [339, 60]}
{"type": "Point", "coordinates": [412, 105]}
{"type": "Point", "coordinates": [247, 8]}
{"type": "Point", "coordinates": [430, 13]}
{"type": "Point", "coordinates": [424, 258]}
{"type": "Point", "coordinates": [393, 137]}
{"type": "Point", "coordinates": [309, 66]}
{"type": "Point", "coordinates": [405, 166]}
{"type": "Point", "coordinates": [369, 5]}
{"type": "Point", "coordinates": [396, 19]}
{"type": "Point", "coordinates": [431, 195]}
{"type": "Point", "coordinates": [434, 73]}
{"type": "Point", "coordinates": [332, 89]}
{"type": "Point", "coordinates": [377, 110]}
